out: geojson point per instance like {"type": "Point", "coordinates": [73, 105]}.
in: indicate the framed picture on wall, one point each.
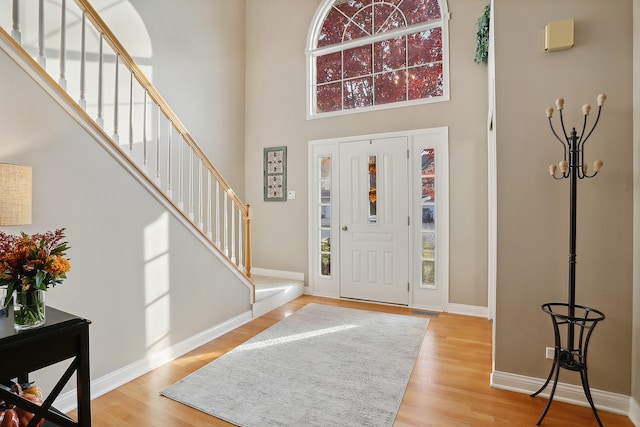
{"type": "Point", "coordinates": [275, 174]}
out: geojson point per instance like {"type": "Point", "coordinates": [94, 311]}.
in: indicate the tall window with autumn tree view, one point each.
{"type": "Point", "coordinates": [371, 54]}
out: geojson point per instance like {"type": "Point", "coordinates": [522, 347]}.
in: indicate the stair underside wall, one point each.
{"type": "Point", "coordinates": [138, 274]}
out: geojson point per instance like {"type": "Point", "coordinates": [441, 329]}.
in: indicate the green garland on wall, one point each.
{"type": "Point", "coordinates": [482, 37]}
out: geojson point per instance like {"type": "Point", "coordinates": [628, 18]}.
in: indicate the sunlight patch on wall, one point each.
{"type": "Point", "coordinates": [126, 24]}
{"type": "Point", "coordinates": [157, 284]}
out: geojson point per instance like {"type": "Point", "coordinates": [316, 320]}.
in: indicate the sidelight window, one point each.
{"type": "Point", "coordinates": [325, 215]}
{"type": "Point", "coordinates": [428, 208]}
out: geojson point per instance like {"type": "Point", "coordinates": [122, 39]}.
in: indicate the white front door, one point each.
{"type": "Point", "coordinates": [374, 220]}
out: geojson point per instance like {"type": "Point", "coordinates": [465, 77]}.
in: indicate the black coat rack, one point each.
{"type": "Point", "coordinates": [572, 323]}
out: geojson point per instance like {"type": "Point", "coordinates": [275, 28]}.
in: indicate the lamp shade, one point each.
{"type": "Point", "coordinates": [15, 194]}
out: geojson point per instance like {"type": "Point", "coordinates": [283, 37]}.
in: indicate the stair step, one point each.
{"type": "Point", "coordinates": [272, 292]}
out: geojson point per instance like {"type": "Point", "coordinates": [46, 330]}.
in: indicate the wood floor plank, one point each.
{"type": "Point", "coordinates": [449, 386]}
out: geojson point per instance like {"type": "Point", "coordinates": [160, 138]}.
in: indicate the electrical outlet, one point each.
{"type": "Point", "coordinates": [551, 353]}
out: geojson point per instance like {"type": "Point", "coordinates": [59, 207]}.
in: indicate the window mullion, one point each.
{"type": "Point", "coordinates": [350, 44]}
{"type": "Point", "coordinates": [396, 8]}
{"type": "Point", "coordinates": [373, 75]}
{"type": "Point", "coordinates": [342, 78]}
{"type": "Point", "coordinates": [406, 67]}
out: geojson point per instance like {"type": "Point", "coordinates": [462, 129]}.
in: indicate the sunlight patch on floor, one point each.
{"type": "Point", "coordinates": [295, 337]}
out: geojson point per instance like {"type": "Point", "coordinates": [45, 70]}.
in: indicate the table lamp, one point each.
{"type": "Point", "coordinates": [15, 203]}
{"type": "Point", "coordinates": [15, 194]}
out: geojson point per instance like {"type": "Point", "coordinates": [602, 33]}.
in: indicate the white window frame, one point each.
{"type": "Point", "coordinates": [436, 138]}
{"type": "Point", "coordinates": [312, 52]}
{"type": "Point", "coordinates": [320, 285]}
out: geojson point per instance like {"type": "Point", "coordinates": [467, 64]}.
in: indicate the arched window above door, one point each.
{"type": "Point", "coordinates": [371, 54]}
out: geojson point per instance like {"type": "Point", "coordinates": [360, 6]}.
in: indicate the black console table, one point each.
{"type": "Point", "coordinates": [63, 336]}
{"type": "Point", "coordinates": [580, 325]}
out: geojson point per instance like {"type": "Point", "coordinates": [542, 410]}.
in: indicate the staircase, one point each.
{"type": "Point", "coordinates": [117, 104]}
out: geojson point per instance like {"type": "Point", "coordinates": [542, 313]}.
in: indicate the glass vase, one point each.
{"type": "Point", "coordinates": [28, 309]}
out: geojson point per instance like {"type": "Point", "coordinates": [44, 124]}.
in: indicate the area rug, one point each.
{"type": "Point", "coordinates": [321, 366]}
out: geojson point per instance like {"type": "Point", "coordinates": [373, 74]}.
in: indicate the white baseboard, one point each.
{"type": "Point", "coordinates": [569, 393]}
{"type": "Point", "coordinates": [323, 295]}
{"type": "Point", "coordinates": [291, 275]}
{"type": "Point", "coordinates": [68, 401]}
{"type": "Point", "coordinates": [468, 310]}
{"type": "Point", "coordinates": [634, 412]}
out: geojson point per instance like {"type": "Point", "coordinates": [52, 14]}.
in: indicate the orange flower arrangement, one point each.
{"type": "Point", "coordinates": [34, 262]}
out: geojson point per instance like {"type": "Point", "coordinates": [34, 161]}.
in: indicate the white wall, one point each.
{"type": "Point", "coordinates": [141, 278]}
{"type": "Point", "coordinates": [198, 62]}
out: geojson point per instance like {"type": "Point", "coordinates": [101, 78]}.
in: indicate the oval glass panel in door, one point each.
{"type": "Point", "coordinates": [373, 192]}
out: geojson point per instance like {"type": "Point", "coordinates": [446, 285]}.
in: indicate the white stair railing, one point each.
{"type": "Point", "coordinates": [155, 141]}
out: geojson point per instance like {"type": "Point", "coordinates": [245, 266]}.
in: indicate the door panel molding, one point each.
{"type": "Point", "coordinates": [374, 195]}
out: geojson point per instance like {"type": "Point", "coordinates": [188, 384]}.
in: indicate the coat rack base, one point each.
{"type": "Point", "coordinates": [572, 325]}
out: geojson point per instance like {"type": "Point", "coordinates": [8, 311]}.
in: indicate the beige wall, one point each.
{"type": "Point", "coordinates": [275, 115]}
{"type": "Point", "coordinates": [533, 208]}
{"type": "Point", "coordinates": [635, 389]}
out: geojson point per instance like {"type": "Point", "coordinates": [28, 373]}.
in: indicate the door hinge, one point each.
{"type": "Point", "coordinates": [408, 155]}
{"type": "Point", "coordinates": [408, 288]}
{"type": "Point", "coordinates": [409, 221]}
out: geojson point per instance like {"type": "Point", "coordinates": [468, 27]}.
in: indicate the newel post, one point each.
{"type": "Point", "coordinates": [247, 239]}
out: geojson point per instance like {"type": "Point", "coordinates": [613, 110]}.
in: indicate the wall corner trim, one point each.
{"type": "Point", "coordinates": [568, 393]}
{"type": "Point", "coordinates": [634, 412]}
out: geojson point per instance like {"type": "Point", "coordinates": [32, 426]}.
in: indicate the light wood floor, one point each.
{"type": "Point", "coordinates": [449, 385]}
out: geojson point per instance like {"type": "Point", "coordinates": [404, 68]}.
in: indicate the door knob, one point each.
{"type": "Point", "coordinates": [344, 228]}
